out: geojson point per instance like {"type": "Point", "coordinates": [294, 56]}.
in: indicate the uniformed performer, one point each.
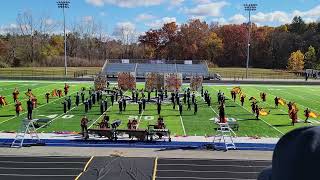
{"type": "Point", "coordinates": [159, 107]}
{"type": "Point", "coordinates": [64, 106]}
{"type": "Point", "coordinates": [124, 103]}
{"type": "Point", "coordinates": [15, 94]}
{"type": "Point", "coordinates": [106, 104]}
{"type": "Point", "coordinates": [69, 102]}
{"type": "Point", "coordinates": [294, 116]}
{"type": "Point", "coordinates": [93, 97]}
{"type": "Point", "coordinates": [66, 89]}
{"type": "Point", "coordinates": [307, 115]}
{"type": "Point", "coordinates": [112, 99]}
{"type": "Point", "coordinates": [166, 93]}
{"type": "Point", "coordinates": [102, 107]}
{"type": "Point", "coordinates": [143, 104]}
{"type": "Point", "coordinates": [257, 111]}
{"type": "Point", "coordinates": [133, 95]}
{"type": "Point", "coordinates": [149, 95]}
{"type": "Point", "coordinates": [86, 106]}
{"type": "Point", "coordinates": [18, 107]}
{"type": "Point", "coordinates": [253, 107]}
{"type": "Point", "coordinates": [137, 96]}
{"type": "Point", "coordinates": [47, 97]}
{"type": "Point", "coordinates": [276, 102]}
{"type": "Point", "coordinates": [84, 127]}
{"type": "Point", "coordinates": [156, 92]}
{"type": "Point", "coordinates": [120, 107]}
{"type": "Point", "coordinates": [264, 96]}
{"type": "Point", "coordinates": [195, 108]}
{"type": "Point", "coordinates": [242, 100]}
{"type": "Point", "coordinates": [222, 116]}
{"type": "Point", "coordinates": [82, 96]}
{"type": "Point", "coordinates": [117, 95]}
{"type": "Point", "coordinates": [29, 108]}
{"type": "Point", "coordinates": [189, 106]}
{"type": "Point", "coordinates": [140, 107]}
{"type": "Point", "coordinates": [90, 103]}
{"type": "Point", "coordinates": [185, 97]}
{"type": "Point", "coordinates": [77, 99]}
{"type": "Point", "coordinates": [202, 91]}
{"type": "Point", "coordinates": [180, 108]}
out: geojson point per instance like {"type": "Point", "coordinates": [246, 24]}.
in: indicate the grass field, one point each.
{"type": "Point", "coordinates": [274, 125]}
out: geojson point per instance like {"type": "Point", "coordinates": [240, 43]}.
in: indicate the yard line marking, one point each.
{"type": "Point", "coordinates": [184, 131]}
{"type": "Point", "coordinates": [34, 109]}
{"type": "Point", "coordinates": [57, 117]}
{"type": "Point", "coordinates": [140, 118]}
{"type": "Point", "coordinates": [260, 118]}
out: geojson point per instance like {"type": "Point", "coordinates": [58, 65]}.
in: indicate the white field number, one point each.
{"type": "Point", "coordinates": [56, 115]}
{"type": "Point", "coordinates": [146, 118]}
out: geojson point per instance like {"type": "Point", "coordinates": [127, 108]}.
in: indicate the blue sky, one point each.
{"type": "Point", "coordinates": [141, 15]}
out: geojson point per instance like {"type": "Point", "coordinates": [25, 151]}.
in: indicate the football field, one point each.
{"type": "Point", "coordinates": [275, 124]}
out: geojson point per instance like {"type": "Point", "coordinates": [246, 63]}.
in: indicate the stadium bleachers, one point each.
{"type": "Point", "coordinates": [142, 69]}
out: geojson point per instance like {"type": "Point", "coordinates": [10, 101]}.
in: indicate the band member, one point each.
{"type": "Point", "coordinates": [69, 102]}
{"type": "Point", "coordinates": [104, 124]}
{"type": "Point", "coordinates": [193, 98]}
{"type": "Point", "coordinates": [242, 100]}
{"type": "Point", "coordinates": [180, 108]}
{"type": "Point", "coordinates": [82, 96]}
{"type": "Point", "coordinates": [101, 107]}
{"type": "Point", "coordinates": [294, 116]}
{"type": "Point", "coordinates": [3, 101]}
{"type": "Point", "coordinates": [86, 106]}
{"type": "Point", "coordinates": [64, 106]}
{"type": "Point", "coordinates": [59, 93]}
{"type": "Point", "coordinates": [202, 91]}
{"type": "Point", "coordinates": [47, 97]}
{"type": "Point", "coordinates": [185, 97]}
{"type": "Point", "coordinates": [18, 107]}
{"type": "Point", "coordinates": [307, 115]}
{"type": "Point", "coordinates": [93, 97]}
{"type": "Point", "coordinates": [263, 96]}
{"type": "Point", "coordinates": [149, 95]}
{"type": "Point", "coordinates": [112, 99]}
{"type": "Point", "coordinates": [233, 95]}
{"type": "Point", "coordinates": [66, 89]}
{"type": "Point", "coordinates": [253, 107]}
{"type": "Point", "coordinates": [133, 95]}
{"type": "Point", "coordinates": [166, 93]}
{"type": "Point", "coordinates": [84, 127]}
{"type": "Point", "coordinates": [156, 92]}
{"type": "Point", "coordinates": [276, 102]}
{"type": "Point", "coordinates": [54, 93]}
{"type": "Point", "coordinates": [143, 104]}
{"type": "Point", "coordinates": [90, 103]}
{"type": "Point", "coordinates": [160, 123]}
{"type": "Point", "coordinates": [15, 95]}
{"type": "Point", "coordinates": [77, 99]}
{"type": "Point", "coordinates": [106, 104]}
{"type": "Point", "coordinates": [124, 103]}
{"type": "Point", "coordinates": [222, 117]}
{"type": "Point", "coordinates": [257, 111]}
{"type": "Point", "coordinates": [189, 106]}
{"type": "Point", "coordinates": [159, 107]}
{"type": "Point", "coordinates": [29, 108]}
{"type": "Point", "coordinates": [209, 101]}
{"type": "Point", "coordinates": [195, 108]}
{"type": "Point", "coordinates": [137, 96]}
{"type": "Point", "coordinates": [140, 107]}
{"type": "Point", "coordinates": [120, 107]}
{"type": "Point", "coordinates": [34, 101]}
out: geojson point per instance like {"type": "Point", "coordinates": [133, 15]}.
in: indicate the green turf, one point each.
{"type": "Point", "coordinates": [273, 125]}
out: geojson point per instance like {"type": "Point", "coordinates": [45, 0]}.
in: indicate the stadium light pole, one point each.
{"type": "Point", "coordinates": [249, 8]}
{"type": "Point", "coordinates": [64, 5]}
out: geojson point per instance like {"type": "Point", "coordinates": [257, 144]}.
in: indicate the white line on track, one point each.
{"type": "Point", "coordinates": [35, 109]}
{"type": "Point", "coordinates": [37, 175]}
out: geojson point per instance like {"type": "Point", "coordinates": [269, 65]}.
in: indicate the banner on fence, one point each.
{"type": "Point", "coordinates": [126, 80]}
{"type": "Point", "coordinates": [172, 81]}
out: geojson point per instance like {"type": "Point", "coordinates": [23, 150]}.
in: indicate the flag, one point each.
{"type": "Point", "coordinates": [236, 89]}
{"type": "Point", "coordinates": [313, 115]}
{"type": "Point", "coordinates": [54, 93]}
{"type": "Point", "coordinates": [264, 112]}
{"type": "Point", "coordinates": [252, 99]}
{"type": "Point", "coordinates": [295, 107]}
{"type": "Point", "coordinates": [282, 102]}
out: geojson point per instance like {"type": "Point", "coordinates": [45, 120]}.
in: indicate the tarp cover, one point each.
{"type": "Point", "coordinates": [119, 168]}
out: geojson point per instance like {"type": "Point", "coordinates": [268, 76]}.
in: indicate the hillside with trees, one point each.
{"type": "Point", "coordinates": [292, 46]}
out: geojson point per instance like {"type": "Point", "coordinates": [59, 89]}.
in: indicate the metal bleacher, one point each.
{"type": "Point", "coordinates": [111, 69]}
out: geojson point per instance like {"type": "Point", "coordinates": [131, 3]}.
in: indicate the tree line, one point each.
{"type": "Point", "coordinates": [293, 46]}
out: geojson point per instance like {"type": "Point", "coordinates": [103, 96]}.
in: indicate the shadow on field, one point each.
{"type": "Point", "coordinates": [7, 115]}
{"type": "Point", "coordinates": [280, 114]}
{"type": "Point", "coordinates": [281, 125]}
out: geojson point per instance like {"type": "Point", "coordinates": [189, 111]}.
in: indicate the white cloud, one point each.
{"type": "Point", "coordinates": [207, 9]}
{"type": "Point", "coordinates": [160, 22]}
{"type": "Point", "coordinates": [87, 19]}
{"type": "Point", "coordinates": [96, 2]}
{"type": "Point", "coordinates": [220, 21]}
{"type": "Point", "coordinates": [102, 13]}
{"type": "Point", "coordinates": [176, 2]}
{"type": "Point", "coordinates": [49, 21]}
{"type": "Point", "coordinates": [202, 18]}
{"type": "Point", "coordinates": [144, 17]}
{"type": "Point", "coordinates": [237, 19]}
{"type": "Point", "coordinates": [125, 3]}
{"type": "Point", "coordinates": [201, 1]}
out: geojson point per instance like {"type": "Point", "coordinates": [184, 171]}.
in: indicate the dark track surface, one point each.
{"type": "Point", "coordinates": [196, 169]}
{"type": "Point", "coordinates": [41, 168]}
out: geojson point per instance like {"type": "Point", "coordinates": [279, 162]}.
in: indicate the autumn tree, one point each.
{"type": "Point", "coordinates": [298, 25]}
{"type": "Point", "coordinates": [296, 61]}
{"type": "Point", "coordinates": [214, 47]}
{"type": "Point", "coordinates": [310, 58]}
